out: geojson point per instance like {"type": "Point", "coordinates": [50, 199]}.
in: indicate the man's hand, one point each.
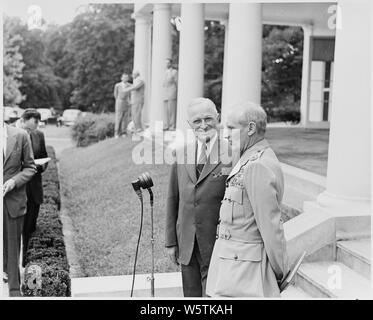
{"type": "Point", "coordinates": [173, 254]}
{"type": "Point", "coordinates": [8, 186]}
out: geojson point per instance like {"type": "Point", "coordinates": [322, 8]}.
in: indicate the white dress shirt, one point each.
{"type": "Point", "coordinates": [209, 146]}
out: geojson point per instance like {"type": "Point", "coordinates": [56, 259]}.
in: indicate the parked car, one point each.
{"type": "Point", "coordinates": [69, 117]}
{"type": "Point", "coordinates": [48, 116]}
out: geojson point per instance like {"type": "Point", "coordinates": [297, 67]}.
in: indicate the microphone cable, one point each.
{"type": "Point", "coordinates": [152, 240]}
{"type": "Point", "coordinates": [139, 194]}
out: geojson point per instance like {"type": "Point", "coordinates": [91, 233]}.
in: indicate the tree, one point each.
{"type": "Point", "coordinates": [101, 40]}
{"type": "Point", "coordinates": [214, 61]}
{"type": "Point", "coordinates": [282, 67]}
{"type": "Point", "coordinates": [12, 66]}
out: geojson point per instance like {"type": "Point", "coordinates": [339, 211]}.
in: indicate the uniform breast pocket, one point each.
{"type": "Point", "coordinates": [234, 201]}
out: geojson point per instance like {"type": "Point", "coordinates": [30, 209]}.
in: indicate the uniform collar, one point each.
{"type": "Point", "coordinates": [249, 153]}
{"type": "Point", "coordinates": [259, 146]}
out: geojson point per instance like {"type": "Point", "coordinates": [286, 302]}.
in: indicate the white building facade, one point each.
{"type": "Point", "coordinates": [336, 46]}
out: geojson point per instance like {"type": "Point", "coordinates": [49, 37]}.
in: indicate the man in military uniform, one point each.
{"type": "Point", "coordinates": [249, 257]}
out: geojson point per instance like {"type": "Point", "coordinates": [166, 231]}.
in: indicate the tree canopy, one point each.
{"type": "Point", "coordinates": [78, 63]}
{"type": "Point", "coordinates": [12, 66]}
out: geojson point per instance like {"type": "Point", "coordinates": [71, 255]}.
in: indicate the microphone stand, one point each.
{"type": "Point", "coordinates": [144, 181]}
{"type": "Point", "coordinates": [152, 242]}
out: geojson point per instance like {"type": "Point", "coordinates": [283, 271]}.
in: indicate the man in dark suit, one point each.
{"type": "Point", "coordinates": [195, 192]}
{"type": "Point", "coordinates": [18, 169]}
{"type": "Point", "coordinates": [34, 188]}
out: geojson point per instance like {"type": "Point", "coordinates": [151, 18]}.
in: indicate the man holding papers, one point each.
{"type": "Point", "coordinates": [18, 169]}
{"type": "Point", "coordinates": [34, 188]}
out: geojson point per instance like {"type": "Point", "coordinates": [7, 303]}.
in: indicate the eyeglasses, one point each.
{"type": "Point", "coordinates": [198, 122]}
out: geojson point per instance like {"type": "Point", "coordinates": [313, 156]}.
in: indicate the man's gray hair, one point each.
{"type": "Point", "coordinates": [203, 101]}
{"type": "Point", "coordinates": [252, 112]}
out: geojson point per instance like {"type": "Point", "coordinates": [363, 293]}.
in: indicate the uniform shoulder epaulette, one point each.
{"type": "Point", "coordinates": [256, 156]}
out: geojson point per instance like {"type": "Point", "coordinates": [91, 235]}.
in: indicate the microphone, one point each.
{"type": "Point", "coordinates": [144, 181]}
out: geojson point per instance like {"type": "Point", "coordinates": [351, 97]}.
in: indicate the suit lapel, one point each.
{"type": "Point", "coordinates": [191, 167]}
{"type": "Point", "coordinates": [10, 143]}
{"type": "Point", "coordinates": [213, 161]}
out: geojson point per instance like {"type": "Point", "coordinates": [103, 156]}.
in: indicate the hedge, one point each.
{"type": "Point", "coordinates": [46, 251]}
{"type": "Point", "coordinates": [93, 128]}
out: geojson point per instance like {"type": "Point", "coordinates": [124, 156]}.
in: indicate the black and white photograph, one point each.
{"type": "Point", "coordinates": [194, 151]}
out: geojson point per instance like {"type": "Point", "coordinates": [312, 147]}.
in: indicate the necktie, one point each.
{"type": "Point", "coordinates": [202, 159]}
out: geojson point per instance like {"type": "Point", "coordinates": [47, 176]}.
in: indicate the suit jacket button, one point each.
{"type": "Point", "coordinates": [235, 257]}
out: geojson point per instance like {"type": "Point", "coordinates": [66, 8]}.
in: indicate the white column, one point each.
{"type": "Point", "coordinates": [142, 52]}
{"type": "Point", "coordinates": [225, 70]}
{"type": "Point", "coordinates": [349, 163]}
{"type": "Point", "coordinates": [244, 55]}
{"type": "Point", "coordinates": [161, 50]}
{"type": "Point", "coordinates": [191, 59]}
{"type": "Point", "coordinates": [306, 67]}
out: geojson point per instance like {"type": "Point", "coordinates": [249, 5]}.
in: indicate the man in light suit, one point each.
{"type": "Point", "coordinates": [137, 99]}
{"type": "Point", "coordinates": [194, 197]}
{"type": "Point", "coordinates": [18, 169]}
{"type": "Point", "coordinates": [249, 257]}
{"type": "Point", "coordinates": [170, 96]}
{"type": "Point", "coordinates": [34, 188]}
{"type": "Point", "coordinates": [122, 106]}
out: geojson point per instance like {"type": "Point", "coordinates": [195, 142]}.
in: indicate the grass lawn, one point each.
{"type": "Point", "coordinates": [97, 191]}
{"type": "Point", "coordinates": [96, 184]}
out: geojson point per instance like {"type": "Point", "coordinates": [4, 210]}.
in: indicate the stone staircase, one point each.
{"type": "Point", "coordinates": [300, 186]}
{"type": "Point", "coordinates": [345, 277]}
{"type": "Point", "coordinates": [339, 249]}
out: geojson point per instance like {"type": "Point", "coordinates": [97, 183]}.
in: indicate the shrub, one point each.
{"type": "Point", "coordinates": [93, 128]}
{"type": "Point", "coordinates": [46, 251]}
{"type": "Point", "coordinates": [286, 111]}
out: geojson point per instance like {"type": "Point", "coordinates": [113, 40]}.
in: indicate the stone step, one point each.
{"type": "Point", "coordinates": [303, 181]}
{"type": "Point", "coordinates": [293, 293]}
{"type": "Point", "coordinates": [332, 279]}
{"type": "Point", "coordinates": [166, 285]}
{"type": "Point", "coordinates": [356, 255]}
{"type": "Point", "coordinates": [294, 198]}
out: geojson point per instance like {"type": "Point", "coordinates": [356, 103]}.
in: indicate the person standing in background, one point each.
{"type": "Point", "coordinates": [122, 106]}
{"type": "Point", "coordinates": [137, 100]}
{"type": "Point", "coordinates": [34, 188]}
{"type": "Point", "coordinates": [170, 96]}
{"type": "Point", "coordinates": [18, 169]}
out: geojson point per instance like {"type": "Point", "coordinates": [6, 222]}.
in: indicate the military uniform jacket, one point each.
{"type": "Point", "coordinates": [193, 204]}
{"type": "Point", "coordinates": [249, 257]}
